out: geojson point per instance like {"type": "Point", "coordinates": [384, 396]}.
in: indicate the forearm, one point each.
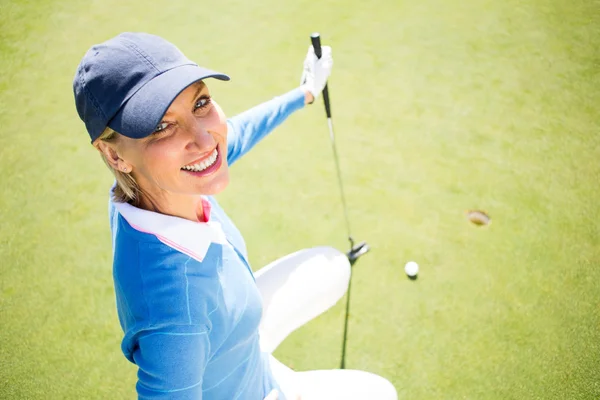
{"type": "Point", "coordinates": [249, 127]}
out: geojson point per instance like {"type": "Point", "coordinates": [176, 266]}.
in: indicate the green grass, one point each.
{"type": "Point", "coordinates": [439, 106]}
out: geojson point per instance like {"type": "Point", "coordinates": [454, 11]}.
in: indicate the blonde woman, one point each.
{"type": "Point", "coordinates": [197, 322]}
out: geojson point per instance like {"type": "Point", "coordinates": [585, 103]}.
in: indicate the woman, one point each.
{"type": "Point", "coordinates": [197, 322]}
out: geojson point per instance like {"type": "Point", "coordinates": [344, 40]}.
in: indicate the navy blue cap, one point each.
{"type": "Point", "coordinates": [128, 82]}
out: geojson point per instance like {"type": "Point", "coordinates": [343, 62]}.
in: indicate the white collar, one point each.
{"type": "Point", "coordinates": [188, 237]}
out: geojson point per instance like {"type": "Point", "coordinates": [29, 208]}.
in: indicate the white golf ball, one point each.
{"type": "Point", "coordinates": [411, 268]}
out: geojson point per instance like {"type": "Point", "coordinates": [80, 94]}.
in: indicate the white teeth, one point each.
{"type": "Point", "coordinates": [203, 164]}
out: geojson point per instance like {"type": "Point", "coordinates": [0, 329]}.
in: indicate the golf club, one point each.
{"type": "Point", "coordinates": [355, 250]}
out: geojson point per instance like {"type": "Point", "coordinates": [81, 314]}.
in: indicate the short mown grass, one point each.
{"type": "Point", "coordinates": [439, 107]}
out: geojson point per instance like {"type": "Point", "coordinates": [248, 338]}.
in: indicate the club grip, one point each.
{"type": "Point", "coordinates": [315, 39]}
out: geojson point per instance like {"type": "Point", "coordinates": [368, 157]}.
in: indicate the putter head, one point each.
{"type": "Point", "coordinates": [356, 251]}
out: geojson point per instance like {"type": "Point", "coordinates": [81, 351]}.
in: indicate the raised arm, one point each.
{"type": "Point", "coordinates": [249, 127]}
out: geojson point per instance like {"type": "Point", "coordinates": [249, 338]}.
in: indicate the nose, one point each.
{"type": "Point", "coordinates": [198, 136]}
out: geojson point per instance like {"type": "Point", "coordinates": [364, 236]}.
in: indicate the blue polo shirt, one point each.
{"type": "Point", "coordinates": [186, 296]}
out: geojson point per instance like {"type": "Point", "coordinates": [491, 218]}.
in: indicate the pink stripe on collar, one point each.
{"type": "Point", "coordinates": [205, 217]}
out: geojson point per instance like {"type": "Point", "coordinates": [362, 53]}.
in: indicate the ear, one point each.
{"type": "Point", "coordinates": [109, 150]}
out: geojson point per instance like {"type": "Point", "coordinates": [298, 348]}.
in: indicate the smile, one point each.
{"type": "Point", "coordinates": [204, 164]}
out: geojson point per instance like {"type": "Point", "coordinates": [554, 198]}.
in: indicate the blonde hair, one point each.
{"type": "Point", "coordinates": [127, 189]}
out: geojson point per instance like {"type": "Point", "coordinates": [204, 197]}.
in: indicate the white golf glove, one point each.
{"type": "Point", "coordinates": [316, 70]}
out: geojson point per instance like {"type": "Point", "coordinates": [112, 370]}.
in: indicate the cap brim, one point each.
{"type": "Point", "coordinates": [140, 115]}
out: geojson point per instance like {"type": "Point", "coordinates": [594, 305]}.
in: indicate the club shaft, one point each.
{"type": "Point", "coordinates": [345, 338]}
{"type": "Point", "coordinates": [339, 176]}
{"type": "Point", "coordinates": [341, 186]}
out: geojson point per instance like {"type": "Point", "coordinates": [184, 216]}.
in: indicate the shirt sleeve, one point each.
{"type": "Point", "coordinates": [248, 128]}
{"type": "Point", "coordinates": [171, 361]}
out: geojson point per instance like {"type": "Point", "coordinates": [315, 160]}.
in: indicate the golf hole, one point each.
{"type": "Point", "coordinates": [478, 217]}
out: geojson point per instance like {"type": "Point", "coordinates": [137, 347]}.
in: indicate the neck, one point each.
{"type": "Point", "coordinates": [182, 206]}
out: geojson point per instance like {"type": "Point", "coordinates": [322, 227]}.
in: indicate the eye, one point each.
{"type": "Point", "coordinates": [161, 127]}
{"type": "Point", "coordinates": [202, 103]}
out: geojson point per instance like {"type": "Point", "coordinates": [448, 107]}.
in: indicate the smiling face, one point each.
{"type": "Point", "coordinates": [185, 156]}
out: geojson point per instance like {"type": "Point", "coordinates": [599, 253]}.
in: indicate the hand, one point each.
{"type": "Point", "coordinates": [316, 70]}
{"type": "Point", "coordinates": [273, 395]}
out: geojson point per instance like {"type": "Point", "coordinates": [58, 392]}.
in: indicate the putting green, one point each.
{"type": "Point", "coordinates": [439, 107]}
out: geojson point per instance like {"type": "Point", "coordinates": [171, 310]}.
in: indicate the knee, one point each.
{"type": "Point", "coordinates": [336, 267]}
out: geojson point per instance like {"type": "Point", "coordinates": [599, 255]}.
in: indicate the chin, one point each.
{"type": "Point", "coordinates": [216, 186]}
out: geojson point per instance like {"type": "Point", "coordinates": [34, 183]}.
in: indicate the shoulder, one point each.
{"type": "Point", "coordinates": [159, 280]}
{"type": "Point", "coordinates": [164, 282]}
